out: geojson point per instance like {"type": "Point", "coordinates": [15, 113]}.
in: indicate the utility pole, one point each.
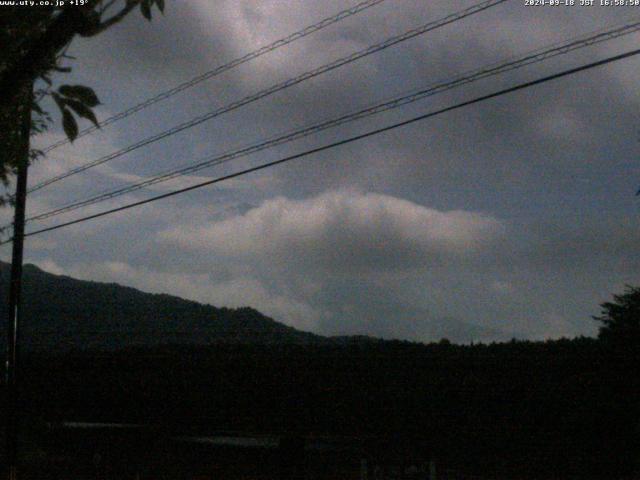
{"type": "Point", "coordinates": [15, 287]}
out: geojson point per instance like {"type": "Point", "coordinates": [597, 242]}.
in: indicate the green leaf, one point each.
{"type": "Point", "coordinates": [84, 94]}
{"type": "Point", "coordinates": [82, 110]}
{"type": "Point", "coordinates": [160, 4]}
{"type": "Point", "coordinates": [69, 124]}
{"type": "Point", "coordinates": [59, 100]}
{"type": "Point", "coordinates": [145, 8]}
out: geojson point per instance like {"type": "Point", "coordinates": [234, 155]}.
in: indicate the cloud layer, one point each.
{"type": "Point", "coordinates": [344, 230]}
{"type": "Point", "coordinates": [511, 217]}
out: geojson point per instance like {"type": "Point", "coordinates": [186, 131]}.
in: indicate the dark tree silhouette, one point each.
{"type": "Point", "coordinates": [621, 318]}
{"type": "Point", "coordinates": [34, 41]}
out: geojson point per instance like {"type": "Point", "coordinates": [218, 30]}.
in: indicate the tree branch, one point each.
{"type": "Point", "coordinates": [115, 18]}
{"type": "Point", "coordinates": [38, 57]}
{"type": "Point", "coordinates": [104, 8]}
{"type": "Point", "coordinates": [70, 22]}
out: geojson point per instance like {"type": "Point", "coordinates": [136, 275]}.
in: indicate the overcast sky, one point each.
{"type": "Point", "coordinates": [514, 217]}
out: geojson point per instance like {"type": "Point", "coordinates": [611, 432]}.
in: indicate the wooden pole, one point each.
{"type": "Point", "coordinates": [15, 290]}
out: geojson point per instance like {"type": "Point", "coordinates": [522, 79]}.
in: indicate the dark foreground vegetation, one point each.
{"type": "Point", "coordinates": [555, 409]}
{"type": "Point", "coordinates": [565, 408]}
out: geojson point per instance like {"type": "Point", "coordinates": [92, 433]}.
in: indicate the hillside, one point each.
{"type": "Point", "coordinates": [61, 312]}
{"type": "Point", "coordinates": [68, 313]}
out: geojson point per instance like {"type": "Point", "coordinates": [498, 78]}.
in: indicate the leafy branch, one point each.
{"type": "Point", "coordinates": [34, 43]}
{"type": "Point", "coordinates": [78, 99]}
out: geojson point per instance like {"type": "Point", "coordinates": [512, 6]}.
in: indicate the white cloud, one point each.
{"type": "Point", "coordinates": [245, 291]}
{"type": "Point", "coordinates": [345, 228]}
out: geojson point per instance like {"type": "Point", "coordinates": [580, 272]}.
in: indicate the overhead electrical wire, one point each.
{"type": "Point", "coordinates": [477, 8]}
{"type": "Point", "coordinates": [223, 68]}
{"type": "Point", "coordinates": [463, 79]}
{"type": "Point", "coordinates": [345, 141]}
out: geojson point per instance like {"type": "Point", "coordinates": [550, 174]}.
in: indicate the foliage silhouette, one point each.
{"type": "Point", "coordinates": [34, 43]}
{"type": "Point", "coordinates": [621, 318]}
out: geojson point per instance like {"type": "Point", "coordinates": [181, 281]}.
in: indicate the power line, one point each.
{"type": "Point", "coordinates": [352, 139]}
{"type": "Point", "coordinates": [223, 68]}
{"type": "Point", "coordinates": [454, 17]}
{"type": "Point", "coordinates": [463, 79]}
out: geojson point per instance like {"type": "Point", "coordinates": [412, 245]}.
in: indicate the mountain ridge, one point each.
{"type": "Point", "coordinates": [62, 312]}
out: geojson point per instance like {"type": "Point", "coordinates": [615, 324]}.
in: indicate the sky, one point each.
{"type": "Point", "coordinates": [515, 217]}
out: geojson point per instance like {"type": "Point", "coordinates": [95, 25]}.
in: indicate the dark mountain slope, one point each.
{"type": "Point", "coordinates": [67, 313]}
{"type": "Point", "coordinates": [63, 312]}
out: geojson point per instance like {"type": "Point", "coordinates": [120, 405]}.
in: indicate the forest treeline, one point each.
{"type": "Point", "coordinates": [532, 409]}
